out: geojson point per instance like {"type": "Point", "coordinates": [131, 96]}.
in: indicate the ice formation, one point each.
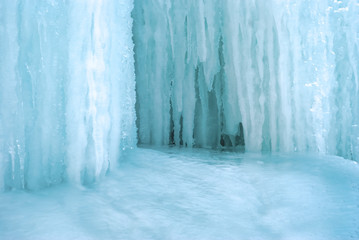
{"type": "Point", "coordinates": [66, 90]}
{"type": "Point", "coordinates": [277, 75]}
{"type": "Point", "coordinates": [271, 75]}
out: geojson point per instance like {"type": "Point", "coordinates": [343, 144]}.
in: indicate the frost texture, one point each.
{"type": "Point", "coordinates": [66, 90]}
{"type": "Point", "coordinates": [268, 75]}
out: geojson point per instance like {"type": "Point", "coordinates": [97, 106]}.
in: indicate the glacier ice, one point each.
{"type": "Point", "coordinates": [66, 90]}
{"type": "Point", "coordinates": [271, 75]}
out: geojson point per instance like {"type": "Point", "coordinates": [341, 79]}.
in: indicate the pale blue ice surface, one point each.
{"type": "Point", "coordinates": [173, 193]}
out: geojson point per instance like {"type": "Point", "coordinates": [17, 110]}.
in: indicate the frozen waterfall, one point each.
{"type": "Point", "coordinates": [259, 75]}
{"type": "Point", "coordinates": [66, 90]}
{"type": "Point", "coordinates": [268, 75]}
{"type": "Point", "coordinates": [211, 119]}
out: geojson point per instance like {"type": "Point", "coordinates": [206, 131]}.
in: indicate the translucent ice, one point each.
{"type": "Point", "coordinates": [66, 90]}
{"type": "Point", "coordinates": [271, 75]}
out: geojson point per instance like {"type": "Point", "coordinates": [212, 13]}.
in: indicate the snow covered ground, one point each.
{"type": "Point", "coordinates": [172, 193]}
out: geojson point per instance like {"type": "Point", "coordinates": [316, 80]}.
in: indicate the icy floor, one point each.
{"type": "Point", "coordinates": [196, 194]}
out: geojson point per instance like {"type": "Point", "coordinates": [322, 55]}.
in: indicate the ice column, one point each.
{"type": "Point", "coordinates": [67, 90]}
{"type": "Point", "coordinates": [100, 115]}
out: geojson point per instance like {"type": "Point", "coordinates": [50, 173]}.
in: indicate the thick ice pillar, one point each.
{"type": "Point", "coordinates": [67, 90]}
{"type": "Point", "coordinates": [100, 114]}
{"type": "Point", "coordinates": [12, 139]}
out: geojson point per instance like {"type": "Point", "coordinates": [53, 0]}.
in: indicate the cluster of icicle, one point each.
{"type": "Point", "coordinates": [67, 90]}
{"type": "Point", "coordinates": [271, 75]}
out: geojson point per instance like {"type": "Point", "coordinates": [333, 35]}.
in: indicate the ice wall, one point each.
{"type": "Point", "coordinates": [271, 75]}
{"type": "Point", "coordinates": [66, 90]}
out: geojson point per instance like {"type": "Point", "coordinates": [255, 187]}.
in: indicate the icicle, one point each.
{"type": "Point", "coordinates": [287, 80]}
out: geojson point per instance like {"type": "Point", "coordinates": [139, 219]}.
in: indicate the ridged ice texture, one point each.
{"type": "Point", "coordinates": [271, 75]}
{"type": "Point", "coordinates": [67, 90]}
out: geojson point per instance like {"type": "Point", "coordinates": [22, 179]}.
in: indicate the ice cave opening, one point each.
{"type": "Point", "coordinates": [270, 75]}
{"type": "Point", "coordinates": [179, 119]}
